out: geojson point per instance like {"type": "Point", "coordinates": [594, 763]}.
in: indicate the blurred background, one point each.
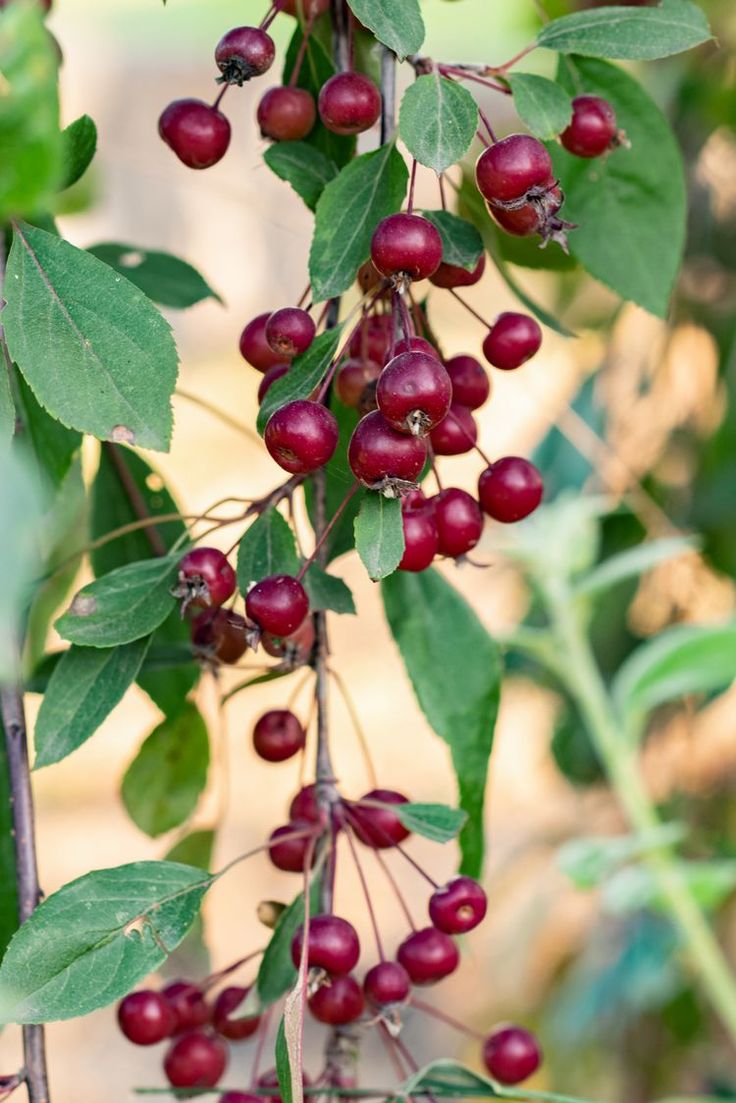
{"type": "Point", "coordinates": [651, 423]}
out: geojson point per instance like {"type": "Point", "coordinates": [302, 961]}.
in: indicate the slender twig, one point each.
{"type": "Point", "coordinates": [358, 727]}
{"type": "Point", "coordinates": [222, 415]}
{"type": "Point", "coordinates": [116, 456]}
{"type": "Point", "coordinates": [366, 891]}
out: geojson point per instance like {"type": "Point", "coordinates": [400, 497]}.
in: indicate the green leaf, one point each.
{"type": "Point", "coordinates": [8, 889]}
{"type": "Point", "coordinates": [542, 105]}
{"type": "Point", "coordinates": [590, 861]}
{"type": "Point", "coordinates": [194, 849]}
{"type": "Point", "coordinates": [89, 943]}
{"type": "Point", "coordinates": [268, 547]}
{"type": "Point", "coordinates": [21, 506]}
{"type": "Point", "coordinates": [367, 190]}
{"type": "Point", "coordinates": [29, 113]}
{"type": "Point", "coordinates": [325, 591]}
{"type": "Point", "coordinates": [165, 780]}
{"type": "Point", "coordinates": [283, 1064]}
{"type": "Point", "coordinates": [633, 34]}
{"type": "Point", "coordinates": [167, 280]}
{"type": "Point", "coordinates": [305, 167]}
{"type": "Point", "coordinates": [437, 121]}
{"type": "Point", "coordinates": [448, 1078]}
{"type": "Point", "coordinates": [277, 974]}
{"type": "Point", "coordinates": [78, 147]}
{"type": "Point", "coordinates": [455, 669]}
{"type": "Point", "coordinates": [629, 206]}
{"type": "Point", "coordinates": [462, 244]}
{"type": "Point", "coordinates": [85, 687]}
{"type": "Point", "coordinates": [305, 373]}
{"type": "Point", "coordinates": [7, 410]}
{"type": "Point", "coordinates": [169, 671]}
{"type": "Point", "coordinates": [338, 480]}
{"type": "Point", "coordinates": [398, 26]}
{"type": "Point", "coordinates": [98, 355]}
{"type": "Point", "coordinates": [438, 822]}
{"type": "Point", "coordinates": [710, 883]}
{"type": "Point", "coordinates": [316, 69]}
{"type": "Point", "coordinates": [379, 534]}
{"type": "Point", "coordinates": [50, 443]}
{"type": "Point", "coordinates": [122, 606]}
{"type": "Point", "coordinates": [634, 562]}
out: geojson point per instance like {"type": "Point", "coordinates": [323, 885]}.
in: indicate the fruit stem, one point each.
{"type": "Point", "coordinates": [412, 184]}
{"type": "Point", "coordinates": [463, 74]}
{"type": "Point", "coordinates": [486, 124]}
{"type": "Point", "coordinates": [394, 885]}
{"type": "Point", "coordinates": [366, 892]}
{"type": "Point", "coordinates": [326, 531]}
{"type": "Point", "coordinates": [443, 195]}
{"type": "Point", "coordinates": [218, 98]}
{"type": "Point", "coordinates": [469, 308]}
{"type": "Point", "coordinates": [358, 727]}
{"type": "Point", "coordinates": [215, 978]}
{"type": "Point", "coordinates": [224, 417]}
{"type": "Point", "coordinates": [428, 1009]}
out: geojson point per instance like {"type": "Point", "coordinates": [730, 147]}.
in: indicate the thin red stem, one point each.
{"type": "Point", "coordinates": [215, 978]}
{"type": "Point", "coordinates": [470, 309]}
{"type": "Point", "coordinates": [443, 196]}
{"type": "Point", "coordinates": [366, 893]}
{"type": "Point", "coordinates": [326, 531]}
{"type": "Point", "coordinates": [222, 92]}
{"type": "Point", "coordinates": [302, 51]}
{"type": "Point", "coordinates": [448, 1019]}
{"type": "Point", "coordinates": [397, 891]}
{"type": "Point", "coordinates": [412, 184]}
{"type": "Point", "coordinates": [487, 125]}
{"type": "Point", "coordinates": [463, 74]}
{"type": "Point", "coordinates": [467, 435]}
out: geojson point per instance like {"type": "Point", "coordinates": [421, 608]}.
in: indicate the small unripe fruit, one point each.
{"type": "Point", "coordinates": [301, 436]}
{"type": "Point", "coordinates": [290, 854]}
{"type": "Point", "coordinates": [386, 983]}
{"type": "Point", "coordinates": [406, 246]}
{"type": "Point", "coordinates": [510, 489]}
{"type": "Point", "coordinates": [512, 340]}
{"type": "Point", "coordinates": [349, 103]}
{"type": "Point", "coordinates": [449, 276]}
{"type": "Point", "coordinates": [379, 828]}
{"type": "Point", "coordinates": [338, 1002]}
{"type": "Point", "coordinates": [513, 167]}
{"type": "Point", "coordinates": [414, 392]}
{"type": "Point", "coordinates": [235, 1029]}
{"type": "Point", "coordinates": [333, 945]}
{"type": "Point", "coordinates": [278, 604]}
{"type": "Point", "coordinates": [220, 634]}
{"type": "Point", "coordinates": [197, 1060]}
{"type": "Point", "coordinates": [511, 1054]}
{"type": "Point", "coordinates": [146, 1018]}
{"type": "Point", "coordinates": [470, 383]}
{"type": "Point", "coordinates": [198, 133]}
{"type": "Point", "coordinates": [244, 52]}
{"type": "Point", "coordinates": [459, 522]}
{"type": "Point", "coordinates": [458, 906]}
{"type": "Point", "coordinates": [188, 1005]}
{"type": "Point", "coordinates": [278, 735]}
{"type": "Point", "coordinates": [290, 331]}
{"type": "Point", "coordinates": [592, 130]}
{"type": "Point", "coordinates": [378, 454]}
{"type": "Point", "coordinates": [428, 955]}
{"type": "Point", "coordinates": [255, 348]}
{"type": "Point", "coordinates": [205, 578]}
{"type": "Point", "coordinates": [286, 114]}
{"type": "Point", "coordinates": [456, 434]}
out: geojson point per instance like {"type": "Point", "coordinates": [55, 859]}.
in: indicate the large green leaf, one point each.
{"type": "Point", "coordinates": [633, 34]}
{"type": "Point", "coordinates": [79, 144]}
{"type": "Point", "coordinates": [437, 121]}
{"type": "Point", "coordinates": [306, 372]}
{"type": "Point", "coordinates": [89, 943]}
{"type": "Point", "coordinates": [8, 889]}
{"type": "Point", "coordinates": [267, 548]}
{"type": "Point", "coordinates": [165, 279]}
{"type": "Point", "coordinates": [462, 244]}
{"type": "Point", "coordinates": [122, 606]}
{"type": "Point", "coordinates": [51, 445]}
{"type": "Point", "coordinates": [455, 669]}
{"type": "Point", "coordinates": [379, 534]}
{"type": "Point", "coordinates": [326, 591]}
{"type": "Point", "coordinates": [277, 974]}
{"type": "Point", "coordinates": [98, 355]}
{"type": "Point", "coordinates": [305, 167]}
{"type": "Point", "coordinates": [541, 104]}
{"type": "Point", "coordinates": [398, 25]}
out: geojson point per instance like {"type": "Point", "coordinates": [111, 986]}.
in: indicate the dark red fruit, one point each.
{"type": "Point", "coordinates": [452, 275]}
{"type": "Point", "coordinates": [290, 331]}
{"type": "Point", "coordinates": [220, 634]}
{"type": "Point", "coordinates": [338, 1002]}
{"type": "Point", "coordinates": [353, 378]}
{"type": "Point", "coordinates": [146, 1017]}
{"type": "Point", "coordinates": [372, 340]}
{"type": "Point", "coordinates": [512, 340]}
{"type": "Point", "coordinates": [295, 649]}
{"type": "Point", "coordinates": [421, 541]}
{"type": "Point", "coordinates": [236, 1029]}
{"type": "Point", "coordinates": [470, 383]}
{"type": "Point", "coordinates": [278, 735]}
{"type": "Point", "coordinates": [304, 805]}
{"type": "Point", "coordinates": [456, 434]}
{"type": "Point", "coordinates": [458, 906]}
{"type": "Point", "coordinates": [592, 130]}
{"type": "Point", "coordinates": [205, 578]}
{"type": "Point", "coordinates": [511, 1054]}
{"type": "Point", "coordinates": [539, 215]}
{"type": "Point", "coordinates": [414, 392]}
{"type": "Point", "coordinates": [187, 1002]}
{"type": "Point", "coordinates": [197, 1060]}
{"type": "Point", "coordinates": [255, 348]}
{"type": "Point", "coordinates": [278, 604]}
{"type": "Point", "coordinates": [510, 489]}
{"type": "Point", "coordinates": [333, 945]}
{"type": "Point", "coordinates": [349, 103]}
{"type": "Point", "coordinates": [244, 52]}
{"type": "Point", "coordinates": [304, 8]}
{"type": "Point", "coordinates": [302, 436]}
{"type": "Point", "coordinates": [459, 521]}
{"type": "Point", "coordinates": [286, 114]}
{"type": "Point", "coordinates": [269, 378]}
{"type": "Point", "coordinates": [386, 983]}
{"type": "Point", "coordinates": [428, 955]}
{"type": "Point", "coordinates": [512, 168]}
{"type": "Point", "coordinates": [379, 828]}
{"type": "Point", "coordinates": [288, 854]}
{"type": "Point", "coordinates": [379, 455]}
{"type": "Point", "coordinates": [406, 246]}
{"type": "Point", "coordinates": [198, 133]}
{"type": "Point", "coordinates": [415, 344]}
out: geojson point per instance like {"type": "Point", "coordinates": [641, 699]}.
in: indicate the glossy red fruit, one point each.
{"type": "Point", "coordinates": [198, 133]}
{"type": "Point", "coordinates": [415, 344]}
{"type": "Point", "coordinates": [302, 436]}
{"type": "Point", "coordinates": [205, 578]}
{"type": "Point", "coordinates": [372, 340]}
{"type": "Point", "coordinates": [458, 906]}
{"type": "Point", "coordinates": [449, 276]}
{"type": "Point", "coordinates": [512, 168]}
{"type": "Point", "coordinates": [456, 434]}
{"type": "Point", "coordinates": [406, 245]}
{"type": "Point", "coordinates": [188, 1005]}
{"type": "Point", "coordinates": [459, 522]}
{"type": "Point", "coordinates": [290, 331]}
{"type": "Point", "coordinates": [353, 378]}
{"type": "Point", "coordinates": [234, 1028]}
{"type": "Point", "coordinates": [304, 805]}
{"type": "Point", "coordinates": [379, 455]}
{"type": "Point", "coordinates": [286, 114]}
{"type": "Point", "coordinates": [196, 1060]}
{"type": "Point", "coordinates": [305, 9]}
{"type": "Point", "coordinates": [428, 955]}
{"type": "Point", "coordinates": [421, 540]}
{"type": "Point", "coordinates": [377, 827]}
{"type": "Point", "coordinates": [338, 1002]}
{"type": "Point", "coordinates": [349, 103]}
{"type": "Point", "coordinates": [290, 854]}
{"type": "Point", "coordinates": [386, 983]}
{"type": "Point", "coordinates": [510, 489]}
{"type": "Point", "coordinates": [255, 348]}
{"type": "Point", "coordinates": [592, 130]}
{"type": "Point", "coordinates": [470, 383]}
{"type": "Point", "coordinates": [220, 634]}
{"type": "Point", "coordinates": [244, 52]}
{"type": "Point", "coordinates": [296, 649]}
{"type": "Point", "coordinates": [278, 604]}
{"type": "Point", "coordinates": [512, 340]}
{"type": "Point", "coordinates": [278, 735]}
{"type": "Point", "coordinates": [333, 945]}
{"type": "Point", "coordinates": [511, 1054]}
{"type": "Point", "coordinates": [539, 215]}
{"type": "Point", "coordinates": [416, 499]}
{"type": "Point", "coordinates": [146, 1017]}
{"type": "Point", "coordinates": [414, 392]}
{"type": "Point", "coordinates": [269, 378]}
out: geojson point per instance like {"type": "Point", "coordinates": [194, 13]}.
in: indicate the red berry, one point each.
{"type": "Point", "coordinates": [459, 522]}
{"type": "Point", "coordinates": [286, 114]}
{"type": "Point", "coordinates": [304, 805]}
{"type": "Point", "coordinates": [592, 130]}
{"type": "Point", "coordinates": [379, 455]}
{"type": "Point", "coordinates": [452, 275]}
{"type": "Point", "coordinates": [255, 348]}
{"type": "Point", "coordinates": [414, 392]}
{"type": "Point", "coordinates": [198, 133]}
{"type": "Point", "coordinates": [278, 735]}
{"type": "Point", "coordinates": [510, 489]}
{"type": "Point", "coordinates": [349, 103]}
{"type": "Point", "coordinates": [421, 541]}
{"type": "Point", "coordinates": [278, 604]}
{"type": "Point", "coordinates": [244, 52]}
{"type": "Point", "coordinates": [195, 1061]}
{"type": "Point", "coordinates": [511, 1054]}
{"type": "Point", "coordinates": [290, 854]}
{"type": "Point", "coordinates": [537, 216]}
{"type": "Point", "coordinates": [455, 434]}
{"type": "Point", "coordinates": [302, 436]}
{"type": "Point", "coordinates": [470, 383]}
{"type": "Point", "coordinates": [386, 983]}
{"type": "Point", "coordinates": [146, 1017]}
{"type": "Point", "coordinates": [379, 828]}
{"type": "Point", "coordinates": [221, 634]}
{"type": "Point", "coordinates": [338, 1002]}
{"type": "Point", "coordinates": [269, 378]}
{"type": "Point", "coordinates": [512, 340]}
{"type": "Point", "coordinates": [290, 331]}
{"type": "Point", "coordinates": [187, 1002]}
{"type": "Point", "coordinates": [458, 906]}
{"type": "Point", "coordinates": [353, 378]}
{"type": "Point", "coordinates": [205, 578]}
{"type": "Point", "coordinates": [295, 649]}
{"type": "Point", "coordinates": [406, 245]}
{"type": "Point", "coordinates": [415, 344]}
{"type": "Point", "coordinates": [513, 167]}
{"type": "Point", "coordinates": [236, 1029]}
{"type": "Point", "coordinates": [333, 945]}
{"type": "Point", "coordinates": [303, 9]}
{"type": "Point", "coordinates": [428, 955]}
{"type": "Point", "coordinates": [372, 340]}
